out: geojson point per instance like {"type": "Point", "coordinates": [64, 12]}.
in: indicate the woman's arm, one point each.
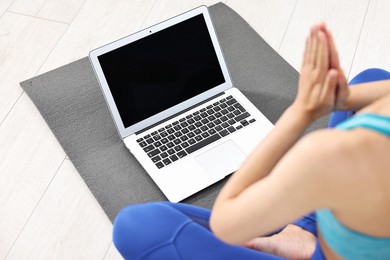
{"type": "Point", "coordinates": [364, 94]}
{"type": "Point", "coordinates": [316, 97]}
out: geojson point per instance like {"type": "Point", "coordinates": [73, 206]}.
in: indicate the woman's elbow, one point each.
{"type": "Point", "coordinates": [223, 230]}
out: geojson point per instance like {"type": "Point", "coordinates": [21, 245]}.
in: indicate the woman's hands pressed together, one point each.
{"type": "Point", "coordinates": [322, 85]}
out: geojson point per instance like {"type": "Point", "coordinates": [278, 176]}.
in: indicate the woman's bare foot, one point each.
{"type": "Point", "coordinates": [292, 242]}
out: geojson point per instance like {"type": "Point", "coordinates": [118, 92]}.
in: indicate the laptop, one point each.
{"type": "Point", "coordinates": [174, 104]}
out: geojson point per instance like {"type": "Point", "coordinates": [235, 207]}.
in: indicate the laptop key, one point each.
{"type": "Point", "coordinates": [231, 129]}
{"type": "Point", "coordinates": [252, 120]}
{"type": "Point", "coordinates": [231, 101]}
{"type": "Point", "coordinates": [203, 143]}
{"type": "Point", "coordinates": [211, 131]}
{"type": "Point", "coordinates": [139, 140]}
{"type": "Point", "coordinates": [229, 97]}
{"type": "Point", "coordinates": [171, 151]}
{"type": "Point", "coordinates": [236, 112]}
{"type": "Point", "coordinates": [150, 140]}
{"type": "Point", "coordinates": [204, 121]}
{"type": "Point", "coordinates": [148, 148]}
{"type": "Point", "coordinates": [198, 138]}
{"type": "Point", "coordinates": [224, 133]}
{"type": "Point", "coordinates": [170, 145]}
{"type": "Point", "coordinates": [218, 114]}
{"type": "Point", "coordinates": [159, 165]}
{"type": "Point", "coordinates": [166, 161]}
{"type": "Point", "coordinates": [241, 117]}
{"type": "Point", "coordinates": [163, 148]}
{"type": "Point", "coordinates": [181, 154]}
{"type": "Point", "coordinates": [244, 122]}
{"type": "Point", "coordinates": [153, 153]}
{"type": "Point", "coordinates": [173, 158]}
{"type": "Point", "coordinates": [191, 141]}
{"type": "Point", "coordinates": [143, 144]}
{"type": "Point", "coordinates": [164, 155]}
{"type": "Point", "coordinates": [156, 159]}
{"type": "Point", "coordinates": [230, 115]}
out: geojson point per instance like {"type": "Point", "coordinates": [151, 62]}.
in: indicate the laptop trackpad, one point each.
{"type": "Point", "coordinates": [221, 160]}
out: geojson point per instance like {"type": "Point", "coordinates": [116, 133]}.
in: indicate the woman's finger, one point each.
{"type": "Point", "coordinates": [322, 63]}
{"type": "Point", "coordinates": [329, 88]}
{"type": "Point", "coordinates": [306, 52]}
{"type": "Point", "coordinates": [313, 49]}
{"type": "Point", "coordinates": [334, 57]}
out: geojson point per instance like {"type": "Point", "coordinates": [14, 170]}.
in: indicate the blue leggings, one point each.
{"type": "Point", "coordinates": [164, 230]}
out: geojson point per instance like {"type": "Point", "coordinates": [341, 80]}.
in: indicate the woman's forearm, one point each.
{"type": "Point", "coordinates": [266, 155]}
{"type": "Point", "coordinates": [364, 94]}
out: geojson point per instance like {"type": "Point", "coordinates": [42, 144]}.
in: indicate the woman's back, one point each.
{"type": "Point", "coordinates": [360, 222]}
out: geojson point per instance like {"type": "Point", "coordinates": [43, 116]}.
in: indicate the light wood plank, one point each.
{"type": "Point", "coordinates": [112, 253]}
{"type": "Point", "coordinates": [66, 224]}
{"type": "Point", "coordinates": [344, 18]}
{"type": "Point", "coordinates": [60, 10]}
{"type": "Point", "coordinates": [165, 9]}
{"type": "Point", "coordinates": [4, 5]}
{"type": "Point", "coordinates": [269, 18]}
{"type": "Point", "coordinates": [99, 22]}
{"type": "Point", "coordinates": [30, 156]}
{"type": "Point", "coordinates": [30, 7]}
{"type": "Point", "coordinates": [373, 48]}
{"type": "Point", "coordinates": [25, 43]}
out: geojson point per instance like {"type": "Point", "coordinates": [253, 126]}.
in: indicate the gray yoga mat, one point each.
{"type": "Point", "coordinates": [70, 100]}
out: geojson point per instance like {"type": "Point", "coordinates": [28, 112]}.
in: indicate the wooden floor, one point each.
{"type": "Point", "coordinates": [46, 210]}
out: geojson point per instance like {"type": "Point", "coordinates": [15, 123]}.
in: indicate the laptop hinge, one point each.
{"type": "Point", "coordinates": [177, 114]}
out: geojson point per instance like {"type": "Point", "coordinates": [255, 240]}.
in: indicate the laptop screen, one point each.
{"type": "Point", "coordinates": [161, 70]}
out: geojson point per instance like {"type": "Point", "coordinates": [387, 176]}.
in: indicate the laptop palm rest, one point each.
{"type": "Point", "coordinates": [221, 160]}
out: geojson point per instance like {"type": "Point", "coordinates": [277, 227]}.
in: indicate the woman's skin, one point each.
{"type": "Point", "coordinates": [285, 178]}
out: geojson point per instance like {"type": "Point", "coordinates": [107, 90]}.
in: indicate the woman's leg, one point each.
{"type": "Point", "coordinates": [368, 75]}
{"type": "Point", "coordinates": [164, 230]}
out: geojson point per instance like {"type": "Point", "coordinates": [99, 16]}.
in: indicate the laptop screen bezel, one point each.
{"type": "Point", "coordinates": [94, 54]}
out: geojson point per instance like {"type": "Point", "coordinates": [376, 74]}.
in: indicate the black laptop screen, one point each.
{"type": "Point", "coordinates": [161, 70]}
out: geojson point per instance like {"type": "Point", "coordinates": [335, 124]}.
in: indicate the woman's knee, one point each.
{"type": "Point", "coordinates": [369, 75]}
{"type": "Point", "coordinates": [138, 228]}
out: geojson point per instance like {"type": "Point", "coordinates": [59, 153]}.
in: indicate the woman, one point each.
{"type": "Point", "coordinates": [341, 173]}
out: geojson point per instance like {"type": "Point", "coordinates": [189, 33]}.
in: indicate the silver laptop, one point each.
{"type": "Point", "coordinates": [173, 102]}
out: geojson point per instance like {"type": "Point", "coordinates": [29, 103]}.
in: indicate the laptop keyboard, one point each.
{"type": "Point", "coordinates": [188, 134]}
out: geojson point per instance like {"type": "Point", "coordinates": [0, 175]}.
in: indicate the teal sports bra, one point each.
{"type": "Point", "coordinates": [346, 242]}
